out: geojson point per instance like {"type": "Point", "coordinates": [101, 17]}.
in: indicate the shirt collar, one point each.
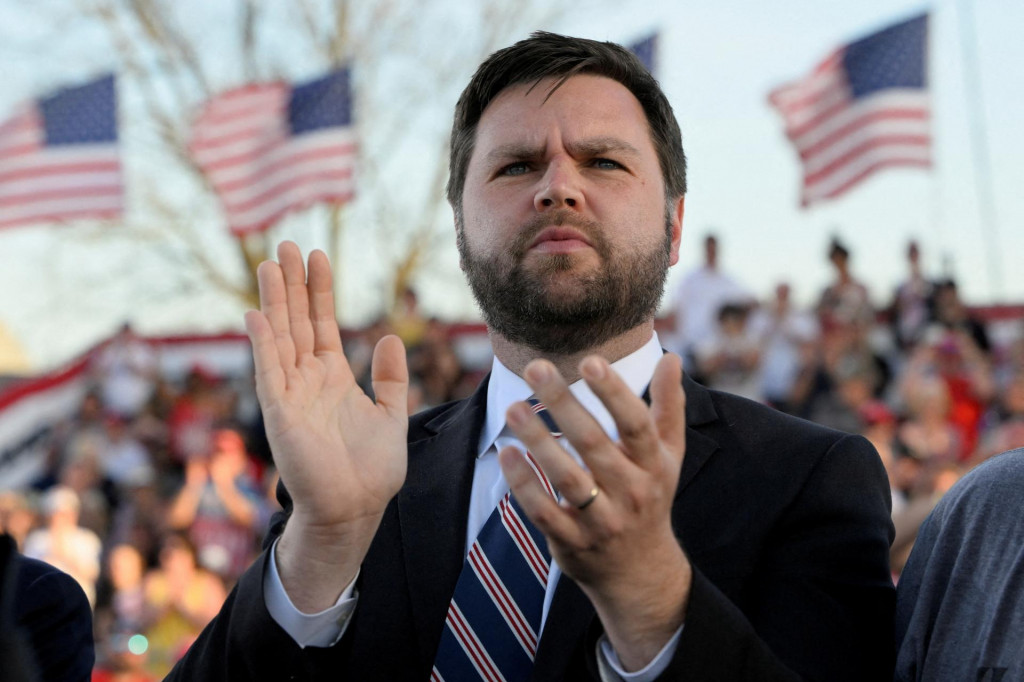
{"type": "Point", "coordinates": [506, 387]}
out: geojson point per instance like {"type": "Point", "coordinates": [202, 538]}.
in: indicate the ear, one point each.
{"type": "Point", "coordinates": [676, 218]}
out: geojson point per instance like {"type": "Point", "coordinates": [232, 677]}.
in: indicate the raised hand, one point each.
{"type": "Point", "coordinates": [341, 454]}
{"type": "Point", "coordinates": [619, 547]}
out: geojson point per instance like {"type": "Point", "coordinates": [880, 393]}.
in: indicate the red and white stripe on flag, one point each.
{"type": "Point", "coordinates": [841, 139]}
{"type": "Point", "coordinates": [259, 168]}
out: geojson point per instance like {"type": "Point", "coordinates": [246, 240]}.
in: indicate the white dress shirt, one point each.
{"type": "Point", "coordinates": [489, 486]}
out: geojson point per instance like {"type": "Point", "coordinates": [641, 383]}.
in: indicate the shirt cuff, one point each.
{"type": "Point", "coordinates": [610, 668]}
{"type": "Point", "coordinates": [321, 629]}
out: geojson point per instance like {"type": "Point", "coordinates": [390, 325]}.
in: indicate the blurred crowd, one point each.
{"type": "Point", "coordinates": [915, 372]}
{"type": "Point", "coordinates": [158, 491]}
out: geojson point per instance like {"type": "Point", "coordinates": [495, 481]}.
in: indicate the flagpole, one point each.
{"type": "Point", "coordinates": [937, 218]}
{"type": "Point", "coordinates": [979, 144]}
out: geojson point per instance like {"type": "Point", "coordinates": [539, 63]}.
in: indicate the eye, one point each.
{"type": "Point", "coordinates": [517, 168]}
{"type": "Point", "coordinates": [607, 164]}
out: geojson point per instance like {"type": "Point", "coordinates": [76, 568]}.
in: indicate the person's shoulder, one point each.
{"type": "Point", "coordinates": [42, 586]}
{"type": "Point", "coordinates": [991, 484]}
{"type": "Point", "coordinates": [753, 425]}
{"type": "Point", "coordinates": [51, 609]}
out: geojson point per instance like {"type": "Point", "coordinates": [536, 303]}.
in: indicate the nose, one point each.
{"type": "Point", "coordinates": [560, 186]}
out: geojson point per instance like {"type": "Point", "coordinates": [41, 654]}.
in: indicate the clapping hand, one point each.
{"type": "Point", "coordinates": [341, 454]}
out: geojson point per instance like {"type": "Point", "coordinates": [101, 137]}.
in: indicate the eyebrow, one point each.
{"type": "Point", "coordinates": [594, 146]}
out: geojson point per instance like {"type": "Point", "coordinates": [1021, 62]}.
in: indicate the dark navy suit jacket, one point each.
{"type": "Point", "coordinates": [46, 626]}
{"type": "Point", "coordinates": [785, 522]}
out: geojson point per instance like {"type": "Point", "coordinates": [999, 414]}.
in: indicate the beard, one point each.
{"type": "Point", "coordinates": [525, 307]}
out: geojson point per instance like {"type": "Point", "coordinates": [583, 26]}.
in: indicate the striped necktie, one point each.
{"type": "Point", "coordinates": [493, 622]}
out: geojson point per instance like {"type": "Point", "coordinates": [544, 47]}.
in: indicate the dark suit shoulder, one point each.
{"type": "Point", "coordinates": [53, 613]}
{"type": "Point", "coordinates": [770, 436]}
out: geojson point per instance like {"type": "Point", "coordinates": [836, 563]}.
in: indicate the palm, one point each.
{"type": "Point", "coordinates": [341, 455]}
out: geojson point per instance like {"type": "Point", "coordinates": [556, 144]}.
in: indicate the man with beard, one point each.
{"type": "Point", "coordinates": [401, 555]}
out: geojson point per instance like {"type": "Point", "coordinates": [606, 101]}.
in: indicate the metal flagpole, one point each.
{"type": "Point", "coordinates": [982, 164]}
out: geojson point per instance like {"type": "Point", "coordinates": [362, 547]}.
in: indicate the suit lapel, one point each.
{"type": "Point", "coordinates": [699, 448]}
{"type": "Point", "coordinates": [433, 508]}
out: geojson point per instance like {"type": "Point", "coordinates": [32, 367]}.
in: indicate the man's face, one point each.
{"type": "Point", "coordinates": [565, 235]}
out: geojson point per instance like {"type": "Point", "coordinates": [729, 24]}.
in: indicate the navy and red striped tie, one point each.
{"type": "Point", "coordinates": [493, 621]}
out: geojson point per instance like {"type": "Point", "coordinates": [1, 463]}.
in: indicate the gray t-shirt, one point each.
{"type": "Point", "coordinates": [960, 599]}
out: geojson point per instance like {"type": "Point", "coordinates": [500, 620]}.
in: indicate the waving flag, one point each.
{"type": "Point", "coordinates": [272, 148]}
{"type": "Point", "coordinates": [863, 108]}
{"type": "Point", "coordinates": [59, 158]}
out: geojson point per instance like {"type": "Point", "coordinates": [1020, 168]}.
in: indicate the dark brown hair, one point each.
{"type": "Point", "coordinates": [548, 55]}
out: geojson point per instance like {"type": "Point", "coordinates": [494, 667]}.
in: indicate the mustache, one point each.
{"type": "Point", "coordinates": [558, 218]}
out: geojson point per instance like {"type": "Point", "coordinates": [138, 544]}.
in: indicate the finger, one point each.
{"type": "Point", "coordinates": [599, 453]}
{"type": "Point", "coordinates": [559, 470]}
{"type": "Point", "coordinates": [270, 381]}
{"type": "Point", "coordinates": [668, 404]}
{"type": "Point", "coordinates": [390, 376]}
{"type": "Point", "coordinates": [551, 519]}
{"type": "Point", "coordinates": [274, 306]}
{"type": "Point", "coordinates": [632, 417]}
{"type": "Point", "coordinates": [326, 338]}
{"type": "Point", "coordinates": [297, 296]}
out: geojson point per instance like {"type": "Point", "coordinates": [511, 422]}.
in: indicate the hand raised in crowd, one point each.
{"type": "Point", "coordinates": [341, 455]}
{"type": "Point", "coordinates": [627, 490]}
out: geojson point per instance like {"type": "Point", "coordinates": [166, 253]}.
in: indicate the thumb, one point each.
{"type": "Point", "coordinates": [390, 377]}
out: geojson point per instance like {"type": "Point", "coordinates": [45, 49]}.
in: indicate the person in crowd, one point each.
{"type": "Point", "coordinates": [17, 516]}
{"type": "Point", "coordinates": [407, 321]}
{"type": "Point", "coordinates": [1006, 432]}
{"type": "Point", "coordinates": [845, 305]}
{"type": "Point", "coordinates": [960, 602]}
{"type": "Point", "coordinates": [126, 368]}
{"type": "Point", "coordinates": [927, 434]}
{"type": "Point", "coordinates": [697, 299]}
{"type": "Point", "coordinates": [761, 554]}
{"type": "Point", "coordinates": [878, 425]}
{"type": "Point", "coordinates": [788, 337]}
{"type": "Point", "coordinates": [81, 473]}
{"type": "Point", "coordinates": [949, 311]}
{"type": "Point", "coordinates": [952, 357]}
{"type": "Point", "coordinates": [730, 360]}
{"type": "Point", "coordinates": [910, 310]}
{"type": "Point", "coordinates": [218, 506]}
{"type": "Point", "coordinates": [436, 366]}
{"type": "Point", "coordinates": [121, 604]}
{"type": "Point", "coordinates": [62, 543]}
{"type": "Point", "coordinates": [124, 458]}
{"type": "Point", "coordinates": [192, 418]}
{"type": "Point", "coordinates": [140, 518]}
{"type": "Point", "coordinates": [180, 599]}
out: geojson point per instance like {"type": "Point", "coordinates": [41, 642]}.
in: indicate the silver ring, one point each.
{"type": "Point", "coordinates": [590, 500]}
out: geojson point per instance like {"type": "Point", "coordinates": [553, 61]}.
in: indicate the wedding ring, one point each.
{"type": "Point", "coordinates": [590, 500]}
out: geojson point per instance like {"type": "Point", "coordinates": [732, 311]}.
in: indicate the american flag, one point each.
{"type": "Point", "coordinates": [863, 108]}
{"type": "Point", "coordinates": [59, 157]}
{"type": "Point", "coordinates": [271, 148]}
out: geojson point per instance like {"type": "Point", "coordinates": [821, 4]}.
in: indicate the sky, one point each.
{"type": "Point", "coordinates": [64, 288]}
